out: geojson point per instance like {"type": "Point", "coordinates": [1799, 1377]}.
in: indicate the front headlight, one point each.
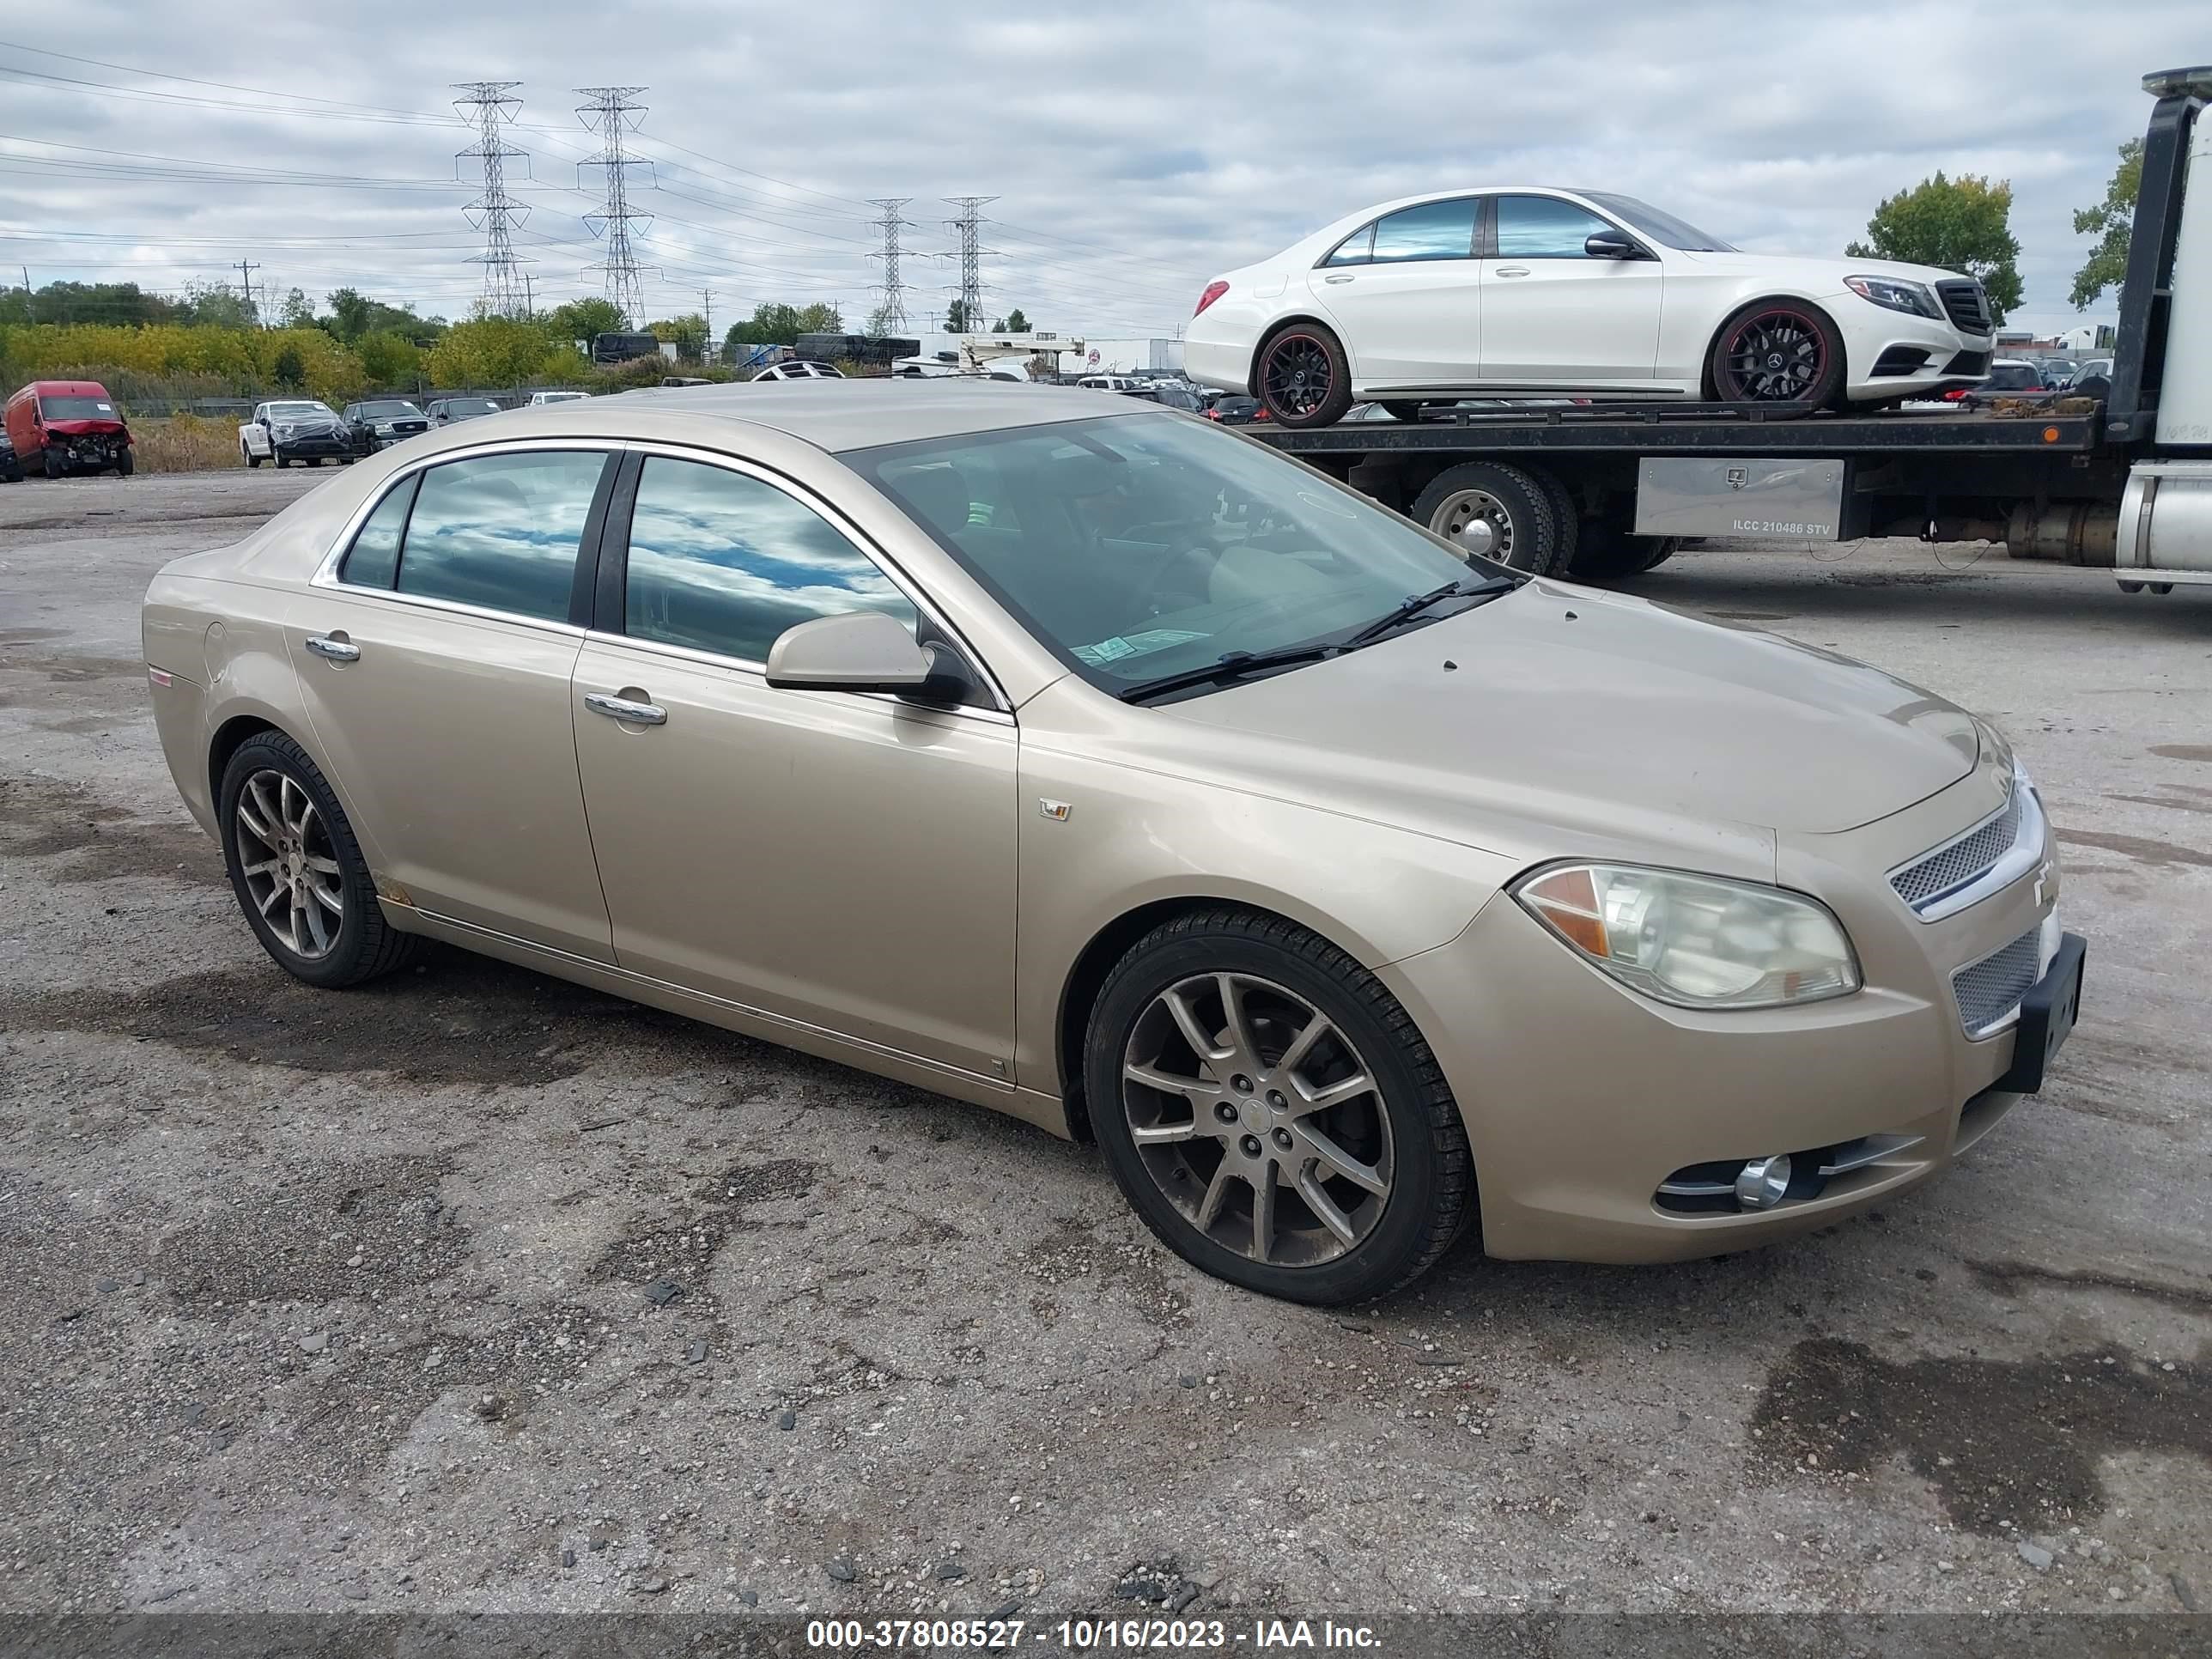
{"type": "Point", "coordinates": [1695, 941]}
{"type": "Point", "coordinates": [1896, 295]}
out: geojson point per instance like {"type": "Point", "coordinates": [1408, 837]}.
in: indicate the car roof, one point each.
{"type": "Point", "coordinates": [68, 388]}
{"type": "Point", "coordinates": [837, 415]}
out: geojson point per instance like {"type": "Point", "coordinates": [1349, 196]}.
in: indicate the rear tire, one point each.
{"type": "Point", "coordinates": [1520, 511]}
{"type": "Point", "coordinates": [1302, 377]}
{"type": "Point", "coordinates": [1202, 1194]}
{"type": "Point", "coordinates": [1398, 409]}
{"type": "Point", "coordinates": [287, 788]}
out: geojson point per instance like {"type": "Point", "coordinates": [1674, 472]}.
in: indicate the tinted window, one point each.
{"type": "Point", "coordinates": [1544, 227]}
{"type": "Point", "coordinates": [502, 530]}
{"type": "Point", "coordinates": [1675, 233]}
{"type": "Point", "coordinates": [1435, 230]}
{"type": "Point", "coordinates": [1352, 250]}
{"type": "Point", "coordinates": [726, 563]}
{"type": "Point", "coordinates": [372, 561]}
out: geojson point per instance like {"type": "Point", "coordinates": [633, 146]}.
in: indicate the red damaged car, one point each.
{"type": "Point", "coordinates": [61, 427]}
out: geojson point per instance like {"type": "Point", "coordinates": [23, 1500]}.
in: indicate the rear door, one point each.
{"type": "Point", "coordinates": [435, 656]}
{"type": "Point", "coordinates": [1554, 317]}
{"type": "Point", "coordinates": [1405, 295]}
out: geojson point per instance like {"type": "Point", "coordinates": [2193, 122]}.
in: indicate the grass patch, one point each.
{"type": "Point", "coordinates": [186, 443]}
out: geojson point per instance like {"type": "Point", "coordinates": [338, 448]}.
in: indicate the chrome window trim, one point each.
{"type": "Point", "coordinates": [2026, 853]}
{"type": "Point", "coordinates": [758, 671]}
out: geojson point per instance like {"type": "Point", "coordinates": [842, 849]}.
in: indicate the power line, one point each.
{"type": "Point", "coordinates": [892, 289]}
{"type": "Point", "coordinates": [968, 227]}
{"type": "Point", "coordinates": [609, 113]}
{"type": "Point", "coordinates": [488, 106]}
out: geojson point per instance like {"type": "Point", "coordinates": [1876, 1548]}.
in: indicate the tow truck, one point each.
{"type": "Point", "coordinates": [2116, 474]}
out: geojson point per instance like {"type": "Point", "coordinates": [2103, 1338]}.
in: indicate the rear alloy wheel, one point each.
{"type": "Point", "coordinates": [1271, 1112]}
{"type": "Point", "coordinates": [1501, 514]}
{"type": "Point", "coordinates": [297, 870]}
{"type": "Point", "coordinates": [1777, 352]}
{"type": "Point", "coordinates": [1304, 378]}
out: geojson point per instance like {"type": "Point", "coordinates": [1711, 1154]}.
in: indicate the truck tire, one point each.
{"type": "Point", "coordinates": [1302, 376]}
{"type": "Point", "coordinates": [1519, 512]}
{"type": "Point", "coordinates": [1570, 519]}
{"type": "Point", "coordinates": [248, 456]}
{"type": "Point", "coordinates": [56, 467]}
{"type": "Point", "coordinates": [1609, 553]}
{"type": "Point", "coordinates": [125, 465]}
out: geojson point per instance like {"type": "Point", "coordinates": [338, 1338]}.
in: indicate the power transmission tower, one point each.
{"type": "Point", "coordinates": [490, 105]}
{"type": "Point", "coordinates": [612, 114]}
{"type": "Point", "coordinates": [968, 227]}
{"type": "Point", "coordinates": [891, 287]}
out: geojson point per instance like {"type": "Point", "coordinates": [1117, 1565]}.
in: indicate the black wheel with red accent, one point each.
{"type": "Point", "coordinates": [1777, 351]}
{"type": "Point", "coordinates": [1304, 378]}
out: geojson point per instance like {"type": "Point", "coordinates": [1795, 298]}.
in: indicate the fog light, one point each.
{"type": "Point", "coordinates": [1763, 1183]}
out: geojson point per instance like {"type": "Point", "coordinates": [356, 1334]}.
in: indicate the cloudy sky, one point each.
{"type": "Point", "coordinates": [1135, 148]}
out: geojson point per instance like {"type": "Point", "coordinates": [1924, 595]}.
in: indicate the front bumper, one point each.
{"type": "Point", "coordinates": [1581, 1099]}
{"type": "Point", "coordinates": [1889, 354]}
{"type": "Point", "coordinates": [312, 444]}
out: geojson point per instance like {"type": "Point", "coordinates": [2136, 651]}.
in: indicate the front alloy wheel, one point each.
{"type": "Point", "coordinates": [1258, 1120]}
{"type": "Point", "coordinates": [1271, 1111]}
{"type": "Point", "coordinates": [1778, 354]}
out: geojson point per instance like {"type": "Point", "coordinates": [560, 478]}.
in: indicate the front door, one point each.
{"type": "Point", "coordinates": [845, 861]}
{"type": "Point", "coordinates": [435, 670]}
{"type": "Point", "coordinates": [1556, 319]}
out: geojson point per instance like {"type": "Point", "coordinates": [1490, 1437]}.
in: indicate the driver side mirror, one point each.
{"type": "Point", "coordinates": [1612, 245]}
{"type": "Point", "coordinates": [863, 651]}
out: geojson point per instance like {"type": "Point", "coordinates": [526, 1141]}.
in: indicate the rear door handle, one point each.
{"type": "Point", "coordinates": [1336, 279]}
{"type": "Point", "coordinates": [336, 647]}
{"type": "Point", "coordinates": [1511, 270]}
{"type": "Point", "coordinates": [625, 710]}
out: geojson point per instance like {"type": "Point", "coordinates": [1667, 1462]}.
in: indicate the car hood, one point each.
{"type": "Point", "coordinates": [1562, 706]}
{"type": "Point", "coordinates": [1824, 275]}
{"type": "Point", "coordinates": [89, 428]}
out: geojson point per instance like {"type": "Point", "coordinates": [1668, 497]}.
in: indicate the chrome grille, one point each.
{"type": "Point", "coordinates": [1988, 990]}
{"type": "Point", "coordinates": [1965, 305]}
{"type": "Point", "coordinates": [1949, 868]}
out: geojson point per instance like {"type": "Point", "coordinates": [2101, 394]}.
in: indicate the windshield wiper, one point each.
{"type": "Point", "coordinates": [1233, 666]}
{"type": "Point", "coordinates": [1488, 587]}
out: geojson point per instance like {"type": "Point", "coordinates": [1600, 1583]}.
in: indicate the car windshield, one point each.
{"type": "Point", "coordinates": [391, 409]}
{"type": "Point", "coordinates": [471, 406]}
{"type": "Point", "coordinates": [77, 409]}
{"type": "Point", "coordinates": [1139, 546]}
{"type": "Point", "coordinates": [299, 411]}
{"type": "Point", "coordinates": [1660, 226]}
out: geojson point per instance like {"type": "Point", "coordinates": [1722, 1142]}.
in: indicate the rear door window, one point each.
{"type": "Point", "coordinates": [372, 561]}
{"type": "Point", "coordinates": [502, 531]}
{"type": "Point", "coordinates": [1353, 250]}
{"type": "Point", "coordinates": [1434, 230]}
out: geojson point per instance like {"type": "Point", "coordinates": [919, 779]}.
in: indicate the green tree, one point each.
{"type": "Point", "coordinates": [297, 311]}
{"type": "Point", "coordinates": [489, 351]}
{"type": "Point", "coordinates": [819, 319]}
{"type": "Point", "coordinates": [390, 358]}
{"type": "Point", "coordinates": [580, 320]}
{"type": "Point", "coordinates": [1015, 323]}
{"type": "Point", "coordinates": [688, 333]}
{"type": "Point", "coordinates": [211, 305]}
{"type": "Point", "coordinates": [290, 371]}
{"type": "Point", "coordinates": [1960, 224]}
{"type": "Point", "coordinates": [879, 322]}
{"type": "Point", "coordinates": [354, 315]}
{"type": "Point", "coordinates": [955, 318]}
{"type": "Point", "coordinates": [2110, 222]}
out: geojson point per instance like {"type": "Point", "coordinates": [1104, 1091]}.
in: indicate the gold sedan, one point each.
{"type": "Point", "coordinates": [1110, 770]}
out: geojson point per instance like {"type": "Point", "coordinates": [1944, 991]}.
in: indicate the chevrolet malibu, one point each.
{"type": "Point", "coordinates": [1531, 292]}
{"type": "Point", "coordinates": [1105, 767]}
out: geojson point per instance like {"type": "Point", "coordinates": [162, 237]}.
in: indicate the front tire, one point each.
{"type": "Point", "coordinates": [1501, 514]}
{"type": "Point", "coordinates": [248, 456]}
{"type": "Point", "coordinates": [1777, 351]}
{"type": "Point", "coordinates": [298, 871]}
{"type": "Point", "coordinates": [1303, 379]}
{"type": "Point", "coordinates": [1272, 1113]}
{"type": "Point", "coordinates": [125, 465]}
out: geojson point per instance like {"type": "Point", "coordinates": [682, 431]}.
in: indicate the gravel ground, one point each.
{"type": "Point", "coordinates": [475, 1290]}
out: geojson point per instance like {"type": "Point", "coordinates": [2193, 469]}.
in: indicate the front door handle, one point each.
{"type": "Point", "coordinates": [1336, 279]}
{"type": "Point", "coordinates": [625, 710]}
{"type": "Point", "coordinates": [1511, 270]}
{"type": "Point", "coordinates": [336, 647]}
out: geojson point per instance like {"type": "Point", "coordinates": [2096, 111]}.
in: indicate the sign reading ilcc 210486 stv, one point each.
{"type": "Point", "coordinates": [1682, 496]}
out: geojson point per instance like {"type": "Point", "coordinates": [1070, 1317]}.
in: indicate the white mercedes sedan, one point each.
{"type": "Point", "coordinates": [1512, 292]}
